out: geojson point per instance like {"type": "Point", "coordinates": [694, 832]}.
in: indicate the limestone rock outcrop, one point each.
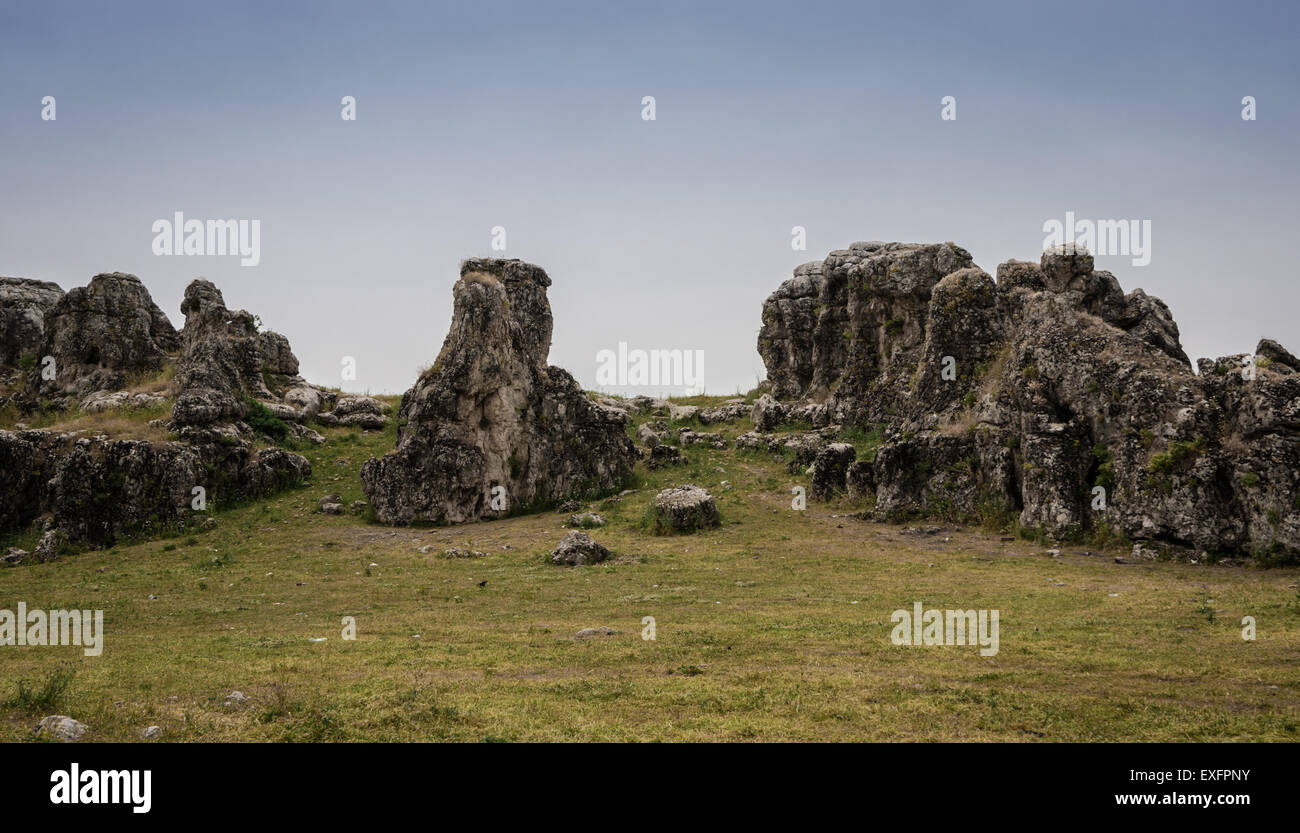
{"type": "Point", "coordinates": [100, 334]}
{"type": "Point", "coordinates": [490, 428]}
{"type": "Point", "coordinates": [23, 305]}
{"type": "Point", "coordinates": [97, 489]}
{"type": "Point", "coordinates": [225, 360]}
{"type": "Point", "coordinates": [1048, 396]}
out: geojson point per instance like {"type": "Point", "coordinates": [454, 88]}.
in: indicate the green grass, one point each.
{"type": "Point", "coordinates": [774, 626]}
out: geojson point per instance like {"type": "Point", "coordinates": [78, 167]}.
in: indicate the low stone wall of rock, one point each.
{"type": "Point", "coordinates": [97, 490]}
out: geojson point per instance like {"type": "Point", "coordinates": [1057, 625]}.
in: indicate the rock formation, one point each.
{"type": "Point", "coordinates": [1049, 397]}
{"type": "Point", "coordinates": [98, 489]}
{"type": "Point", "coordinates": [23, 305]}
{"type": "Point", "coordinates": [102, 333]}
{"type": "Point", "coordinates": [92, 489]}
{"type": "Point", "coordinates": [490, 413]}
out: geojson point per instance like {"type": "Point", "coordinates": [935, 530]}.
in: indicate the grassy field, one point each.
{"type": "Point", "coordinates": [775, 626]}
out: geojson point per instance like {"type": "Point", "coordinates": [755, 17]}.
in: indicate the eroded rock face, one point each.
{"type": "Point", "coordinates": [225, 362]}
{"type": "Point", "coordinates": [103, 333]}
{"type": "Point", "coordinates": [1049, 397]}
{"type": "Point", "coordinates": [853, 323]}
{"type": "Point", "coordinates": [491, 413]}
{"type": "Point", "coordinates": [95, 490]}
{"type": "Point", "coordinates": [23, 305]}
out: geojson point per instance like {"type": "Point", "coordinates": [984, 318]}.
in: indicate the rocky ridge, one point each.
{"type": "Point", "coordinates": [1048, 397]}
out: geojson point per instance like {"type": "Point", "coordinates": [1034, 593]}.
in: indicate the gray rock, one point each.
{"type": "Point", "coordinates": [1060, 384]}
{"type": "Point", "coordinates": [24, 303]}
{"type": "Point", "coordinates": [647, 436]}
{"type": "Point", "coordinates": [830, 469]}
{"type": "Point", "coordinates": [61, 727]}
{"type": "Point", "coordinates": [102, 333]}
{"type": "Point", "coordinates": [14, 557]}
{"type": "Point", "coordinates": [458, 552]}
{"type": "Point", "coordinates": [151, 733]}
{"type": "Point", "coordinates": [48, 547]}
{"type": "Point", "coordinates": [665, 455]}
{"type": "Point", "coordinates": [585, 520]}
{"type": "Point", "coordinates": [490, 412]}
{"type": "Point", "coordinates": [579, 548]}
{"type": "Point", "coordinates": [767, 413]}
{"type": "Point", "coordinates": [685, 508]}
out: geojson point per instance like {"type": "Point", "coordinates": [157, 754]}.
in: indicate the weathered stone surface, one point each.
{"type": "Point", "coordinates": [61, 727]}
{"type": "Point", "coordinates": [664, 455]}
{"type": "Point", "coordinates": [360, 410]}
{"type": "Point", "coordinates": [685, 508]}
{"type": "Point", "coordinates": [225, 362]}
{"type": "Point", "coordinates": [490, 412]}
{"type": "Point", "coordinates": [767, 413]}
{"type": "Point", "coordinates": [102, 333]}
{"type": "Point", "coordinates": [24, 303]}
{"type": "Point", "coordinates": [579, 548]}
{"type": "Point", "coordinates": [689, 438]}
{"type": "Point", "coordinates": [829, 469]}
{"type": "Point", "coordinates": [852, 323]}
{"type": "Point", "coordinates": [102, 400]}
{"type": "Point", "coordinates": [97, 489]}
{"type": "Point", "coordinates": [1049, 397]}
{"type": "Point", "coordinates": [585, 520]}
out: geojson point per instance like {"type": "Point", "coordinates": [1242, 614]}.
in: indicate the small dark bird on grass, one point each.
{"type": "Point", "coordinates": [483, 583]}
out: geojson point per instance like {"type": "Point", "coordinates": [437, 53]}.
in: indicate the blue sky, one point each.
{"type": "Point", "coordinates": [666, 234]}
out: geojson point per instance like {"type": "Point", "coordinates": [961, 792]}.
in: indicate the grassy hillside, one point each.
{"type": "Point", "coordinates": [775, 626]}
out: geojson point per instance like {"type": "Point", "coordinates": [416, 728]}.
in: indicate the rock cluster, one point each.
{"type": "Point", "coordinates": [490, 428]}
{"type": "Point", "coordinates": [1048, 396]}
{"type": "Point", "coordinates": [93, 489]}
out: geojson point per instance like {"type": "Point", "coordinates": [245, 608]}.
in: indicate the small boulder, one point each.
{"type": "Point", "coordinates": [664, 455]}
{"type": "Point", "coordinates": [685, 508]}
{"type": "Point", "coordinates": [647, 436]}
{"type": "Point", "coordinates": [61, 727]}
{"type": "Point", "coordinates": [579, 548]}
{"type": "Point", "coordinates": [151, 733]}
{"type": "Point", "coordinates": [458, 552]}
{"type": "Point", "coordinates": [585, 520]}
{"type": "Point", "coordinates": [767, 413]}
{"type": "Point", "coordinates": [591, 633]}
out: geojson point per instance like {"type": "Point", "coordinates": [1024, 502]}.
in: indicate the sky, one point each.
{"type": "Point", "coordinates": [666, 233]}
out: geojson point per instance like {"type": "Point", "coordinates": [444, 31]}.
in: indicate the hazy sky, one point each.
{"type": "Point", "coordinates": [665, 234]}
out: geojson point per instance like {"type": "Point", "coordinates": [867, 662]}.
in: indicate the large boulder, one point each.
{"type": "Point", "coordinates": [102, 334]}
{"type": "Point", "coordinates": [24, 304]}
{"type": "Point", "coordinates": [490, 428]}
